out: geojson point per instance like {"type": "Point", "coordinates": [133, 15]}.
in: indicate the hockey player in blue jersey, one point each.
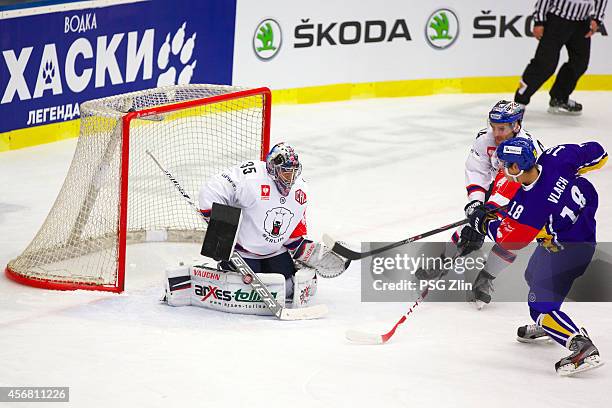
{"type": "Point", "coordinates": [555, 206]}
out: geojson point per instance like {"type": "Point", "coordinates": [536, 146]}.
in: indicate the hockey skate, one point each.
{"type": "Point", "coordinates": [481, 289]}
{"type": "Point", "coordinates": [585, 356]}
{"type": "Point", "coordinates": [559, 107]}
{"type": "Point", "coordinates": [532, 333]}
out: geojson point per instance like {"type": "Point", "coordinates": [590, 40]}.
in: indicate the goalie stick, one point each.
{"type": "Point", "coordinates": [348, 253]}
{"type": "Point", "coordinates": [282, 313]}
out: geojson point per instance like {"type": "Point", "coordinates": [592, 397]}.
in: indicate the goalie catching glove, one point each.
{"type": "Point", "coordinates": [315, 255]}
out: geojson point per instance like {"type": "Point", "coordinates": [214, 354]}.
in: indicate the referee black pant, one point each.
{"type": "Point", "coordinates": [557, 33]}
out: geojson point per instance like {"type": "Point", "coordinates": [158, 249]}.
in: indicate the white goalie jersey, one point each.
{"type": "Point", "coordinates": [482, 165]}
{"type": "Point", "coordinates": [271, 222]}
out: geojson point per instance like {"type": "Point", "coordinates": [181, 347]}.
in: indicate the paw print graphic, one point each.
{"type": "Point", "coordinates": [176, 51]}
{"type": "Point", "coordinates": [48, 72]}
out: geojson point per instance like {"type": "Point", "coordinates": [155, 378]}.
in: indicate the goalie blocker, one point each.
{"type": "Point", "coordinates": [222, 232]}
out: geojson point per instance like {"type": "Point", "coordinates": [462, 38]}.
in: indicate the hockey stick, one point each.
{"type": "Point", "coordinates": [282, 313]}
{"type": "Point", "coordinates": [348, 253]}
{"type": "Point", "coordinates": [360, 337]}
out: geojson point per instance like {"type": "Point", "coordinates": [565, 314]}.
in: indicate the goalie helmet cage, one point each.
{"type": "Point", "coordinates": [114, 195]}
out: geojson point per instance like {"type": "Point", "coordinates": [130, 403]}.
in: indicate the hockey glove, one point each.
{"type": "Point", "coordinates": [471, 205]}
{"type": "Point", "coordinates": [479, 217]}
{"type": "Point", "coordinates": [470, 240]}
{"type": "Point", "coordinates": [316, 255]}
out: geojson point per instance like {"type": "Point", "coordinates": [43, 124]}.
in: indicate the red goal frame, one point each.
{"type": "Point", "coordinates": [123, 199]}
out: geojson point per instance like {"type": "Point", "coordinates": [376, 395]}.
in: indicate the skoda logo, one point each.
{"type": "Point", "coordinates": [442, 29]}
{"type": "Point", "coordinates": [267, 39]}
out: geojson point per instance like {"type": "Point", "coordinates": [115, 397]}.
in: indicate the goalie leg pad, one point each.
{"type": "Point", "coordinates": [304, 286]}
{"type": "Point", "coordinates": [177, 286]}
{"type": "Point", "coordinates": [226, 291]}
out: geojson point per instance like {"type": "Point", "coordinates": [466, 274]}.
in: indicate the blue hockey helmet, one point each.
{"type": "Point", "coordinates": [283, 166]}
{"type": "Point", "coordinates": [518, 150]}
{"type": "Point", "coordinates": [506, 112]}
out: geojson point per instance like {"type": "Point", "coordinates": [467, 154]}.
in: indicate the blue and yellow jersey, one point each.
{"type": "Point", "coordinates": [560, 205]}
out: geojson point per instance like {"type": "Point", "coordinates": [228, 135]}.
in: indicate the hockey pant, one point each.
{"type": "Point", "coordinates": [282, 263]}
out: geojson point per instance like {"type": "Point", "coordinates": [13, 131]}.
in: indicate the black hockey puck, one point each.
{"type": "Point", "coordinates": [247, 279]}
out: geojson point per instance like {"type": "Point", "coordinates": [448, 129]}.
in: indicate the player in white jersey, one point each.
{"type": "Point", "coordinates": [273, 197]}
{"type": "Point", "coordinates": [485, 183]}
{"type": "Point", "coordinates": [270, 236]}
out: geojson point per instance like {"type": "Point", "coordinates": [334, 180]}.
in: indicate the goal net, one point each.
{"type": "Point", "coordinates": [114, 194]}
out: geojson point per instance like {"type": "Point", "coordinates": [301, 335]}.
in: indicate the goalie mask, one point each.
{"type": "Point", "coordinates": [284, 167]}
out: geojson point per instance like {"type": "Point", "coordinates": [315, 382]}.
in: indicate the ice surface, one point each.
{"type": "Point", "coordinates": [379, 169]}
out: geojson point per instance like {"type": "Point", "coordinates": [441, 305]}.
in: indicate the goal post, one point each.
{"type": "Point", "coordinates": [113, 194]}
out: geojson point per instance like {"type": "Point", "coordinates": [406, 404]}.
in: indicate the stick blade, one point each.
{"type": "Point", "coordinates": [304, 313]}
{"type": "Point", "coordinates": [359, 337]}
